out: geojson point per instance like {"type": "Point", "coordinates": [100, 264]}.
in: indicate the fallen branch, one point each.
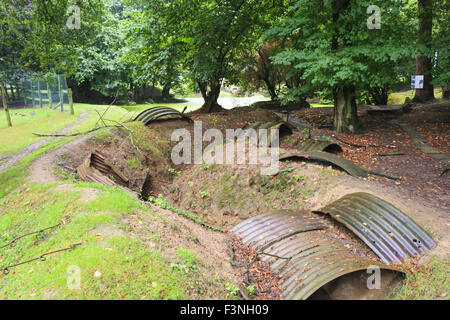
{"type": "Point", "coordinates": [361, 146]}
{"type": "Point", "coordinates": [383, 175]}
{"type": "Point", "coordinates": [391, 154]}
{"type": "Point", "coordinates": [73, 134]}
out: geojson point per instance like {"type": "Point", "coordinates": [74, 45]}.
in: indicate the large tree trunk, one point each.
{"type": "Point", "coordinates": [271, 89]}
{"type": "Point", "coordinates": [210, 93]}
{"type": "Point", "coordinates": [423, 60]}
{"type": "Point", "coordinates": [345, 111]}
{"type": "Point", "coordinates": [379, 95]}
{"type": "Point", "coordinates": [446, 92]}
{"type": "Point", "coordinates": [166, 91]}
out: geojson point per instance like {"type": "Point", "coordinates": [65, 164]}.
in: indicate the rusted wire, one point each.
{"type": "Point", "coordinates": [13, 242]}
{"type": "Point", "coordinates": [42, 257]}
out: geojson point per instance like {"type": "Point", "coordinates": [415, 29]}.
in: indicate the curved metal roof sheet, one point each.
{"type": "Point", "coordinates": [151, 114]}
{"type": "Point", "coordinates": [298, 249]}
{"type": "Point", "coordinates": [390, 233]}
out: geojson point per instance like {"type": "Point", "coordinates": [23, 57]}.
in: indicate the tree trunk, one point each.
{"type": "Point", "coordinates": [271, 89]}
{"type": "Point", "coordinates": [345, 111]}
{"type": "Point", "coordinates": [166, 91]}
{"type": "Point", "coordinates": [424, 63]}
{"type": "Point", "coordinates": [446, 92]}
{"type": "Point", "coordinates": [380, 96]}
{"type": "Point", "coordinates": [210, 94]}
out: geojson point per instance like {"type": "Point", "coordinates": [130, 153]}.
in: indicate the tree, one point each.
{"type": "Point", "coordinates": [211, 36]}
{"type": "Point", "coordinates": [256, 71]}
{"type": "Point", "coordinates": [440, 45]}
{"type": "Point", "coordinates": [100, 68]}
{"type": "Point", "coordinates": [333, 48]}
{"type": "Point", "coordinates": [156, 57]}
{"type": "Point", "coordinates": [36, 37]}
{"type": "Point", "coordinates": [424, 65]}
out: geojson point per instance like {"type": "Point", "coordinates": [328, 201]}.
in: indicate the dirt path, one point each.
{"type": "Point", "coordinates": [41, 170]}
{"type": "Point", "coordinates": [421, 143]}
{"type": "Point", "coordinates": [175, 231]}
{"type": "Point", "coordinates": [35, 146]}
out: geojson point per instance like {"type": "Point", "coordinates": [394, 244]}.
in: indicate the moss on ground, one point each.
{"type": "Point", "coordinates": [149, 141]}
{"type": "Point", "coordinates": [429, 281]}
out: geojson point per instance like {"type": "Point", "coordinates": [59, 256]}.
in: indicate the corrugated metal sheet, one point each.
{"type": "Point", "coordinates": [97, 169]}
{"type": "Point", "coordinates": [391, 234]}
{"type": "Point", "coordinates": [284, 128]}
{"type": "Point", "coordinates": [304, 256]}
{"type": "Point", "coordinates": [308, 145]}
{"type": "Point", "coordinates": [264, 228]}
{"type": "Point", "coordinates": [350, 167]}
{"type": "Point", "coordinates": [151, 114]}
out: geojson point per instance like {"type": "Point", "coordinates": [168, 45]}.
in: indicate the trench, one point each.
{"type": "Point", "coordinates": [350, 283]}
{"type": "Point", "coordinates": [354, 286]}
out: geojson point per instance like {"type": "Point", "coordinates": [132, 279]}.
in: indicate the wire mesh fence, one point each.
{"type": "Point", "coordinates": [51, 92]}
{"type": "Point", "coordinates": [33, 92]}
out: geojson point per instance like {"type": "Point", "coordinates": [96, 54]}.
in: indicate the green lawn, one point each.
{"type": "Point", "coordinates": [430, 281]}
{"type": "Point", "coordinates": [397, 98]}
{"type": "Point", "coordinates": [21, 134]}
{"type": "Point", "coordinates": [113, 264]}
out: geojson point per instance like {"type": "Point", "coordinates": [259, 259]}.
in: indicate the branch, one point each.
{"type": "Point", "coordinates": [73, 134]}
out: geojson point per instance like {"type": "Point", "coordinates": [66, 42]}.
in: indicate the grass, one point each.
{"type": "Point", "coordinates": [397, 98]}
{"type": "Point", "coordinates": [430, 281]}
{"type": "Point", "coordinates": [243, 192]}
{"type": "Point", "coordinates": [113, 264]}
{"type": "Point", "coordinates": [19, 136]}
{"type": "Point", "coordinates": [48, 121]}
{"type": "Point", "coordinates": [127, 269]}
{"type": "Point", "coordinates": [149, 141]}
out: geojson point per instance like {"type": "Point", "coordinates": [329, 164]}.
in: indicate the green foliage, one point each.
{"type": "Point", "coordinates": [331, 45]}
{"type": "Point", "coordinates": [441, 39]}
{"type": "Point", "coordinates": [232, 290]}
{"type": "Point", "coordinates": [251, 291]}
{"type": "Point", "coordinates": [427, 282]}
{"type": "Point", "coordinates": [174, 172]}
{"type": "Point", "coordinates": [34, 35]}
{"type": "Point", "coordinates": [101, 65]}
{"type": "Point", "coordinates": [205, 37]}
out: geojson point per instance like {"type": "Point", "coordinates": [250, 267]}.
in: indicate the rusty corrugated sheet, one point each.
{"type": "Point", "coordinates": [308, 145]}
{"type": "Point", "coordinates": [97, 169]}
{"type": "Point", "coordinates": [284, 128]}
{"type": "Point", "coordinates": [263, 228]}
{"type": "Point", "coordinates": [350, 167]}
{"type": "Point", "coordinates": [391, 234]}
{"type": "Point", "coordinates": [297, 248]}
{"type": "Point", "coordinates": [151, 114]}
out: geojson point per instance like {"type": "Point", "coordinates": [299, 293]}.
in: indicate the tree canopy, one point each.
{"type": "Point", "coordinates": [347, 51]}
